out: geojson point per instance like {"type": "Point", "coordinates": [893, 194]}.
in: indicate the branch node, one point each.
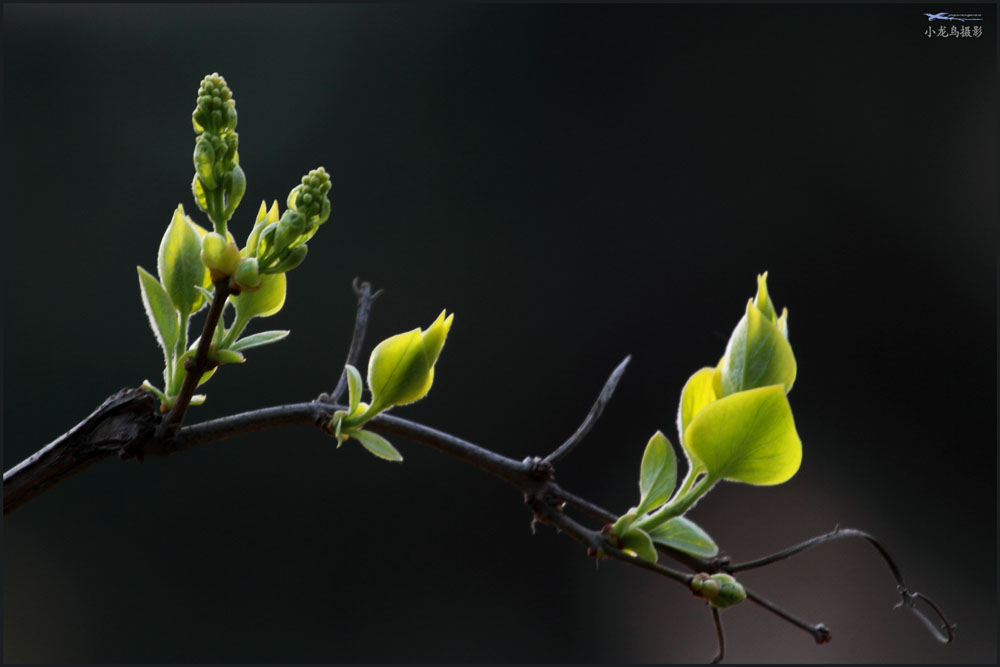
{"type": "Point", "coordinates": [540, 468]}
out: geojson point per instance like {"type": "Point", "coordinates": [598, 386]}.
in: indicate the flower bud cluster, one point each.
{"type": "Point", "coordinates": [219, 182]}
{"type": "Point", "coordinates": [279, 246]}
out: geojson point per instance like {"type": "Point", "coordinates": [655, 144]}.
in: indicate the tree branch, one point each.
{"type": "Point", "coordinates": [129, 416]}
{"type": "Point", "coordinates": [199, 364]}
{"type": "Point", "coordinates": [365, 300]}
{"type": "Point", "coordinates": [595, 412]}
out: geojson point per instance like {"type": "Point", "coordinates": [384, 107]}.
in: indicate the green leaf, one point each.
{"type": "Point", "coordinates": [180, 266]}
{"type": "Point", "coordinates": [698, 392]}
{"type": "Point", "coordinates": [163, 318]}
{"type": "Point", "coordinates": [397, 367]}
{"type": "Point", "coordinates": [353, 387]}
{"type": "Point", "coordinates": [264, 302]}
{"type": "Point", "coordinates": [377, 445]}
{"type": "Point", "coordinates": [657, 474]}
{"type": "Point", "coordinates": [401, 368]}
{"type": "Point", "coordinates": [763, 299]}
{"type": "Point", "coordinates": [684, 535]}
{"type": "Point", "coordinates": [757, 355]}
{"type": "Point", "coordinates": [258, 339]}
{"type": "Point", "coordinates": [747, 437]}
{"type": "Point", "coordinates": [638, 542]}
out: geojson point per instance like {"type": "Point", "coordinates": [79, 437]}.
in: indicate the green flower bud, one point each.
{"type": "Point", "coordinates": [310, 197]}
{"type": "Point", "coordinates": [235, 184]}
{"type": "Point", "coordinates": [204, 161]}
{"type": "Point", "coordinates": [215, 112]}
{"type": "Point", "coordinates": [293, 258]}
{"type": "Point", "coordinates": [291, 226]}
{"type": "Point", "coordinates": [401, 368]}
{"type": "Point", "coordinates": [247, 275]}
{"type": "Point", "coordinates": [219, 255]}
{"type": "Point", "coordinates": [720, 590]}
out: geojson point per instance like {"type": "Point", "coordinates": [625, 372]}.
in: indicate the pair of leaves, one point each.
{"type": "Point", "coordinates": [657, 479]}
{"type": "Point", "coordinates": [373, 442]}
{"type": "Point", "coordinates": [179, 293]}
{"type": "Point", "coordinates": [678, 533]}
{"type": "Point", "coordinates": [734, 420]}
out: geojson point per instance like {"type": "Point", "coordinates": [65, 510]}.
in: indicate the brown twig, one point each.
{"type": "Point", "coordinates": [198, 365]}
{"type": "Point", "coordinates": [365, 300]}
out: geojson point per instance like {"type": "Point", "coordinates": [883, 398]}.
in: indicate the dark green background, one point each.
{"type": "Point", "coordinates": [576, 183]}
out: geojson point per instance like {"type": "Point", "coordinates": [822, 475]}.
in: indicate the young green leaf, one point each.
{"type": "Point", "coordinates": [180, 266]}
{"type": "Point", "coordinates": [258, 339]}
{"type": "Point", "coordinates": [401, 368]}
{"type": "Point", "coordinates": [684, 535]}
{"type": "Point", "coordinates": [697, 393]}
{"type": "Point", "coordinates": [763, 300]}
{"type": "Point", "coordinates": [657, 474]}
{"type": "Point", "coordinates": [638, 542]}
{"type": "Point", "coordinates": [265, 302]}
{"type": "Point", "coordinates": [747, 437]}
{"type": "Point", "coordinates": [162, 316]}
{"type": "Point", "coordinates": [758, 355]}
{"type": "Point", "coordinates": [377, 445]}
{"type": "Point", "coordinates": [353, 387]}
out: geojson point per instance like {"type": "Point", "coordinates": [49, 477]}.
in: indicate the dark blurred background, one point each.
{"type": "Point", "coordinates": [576, 183]}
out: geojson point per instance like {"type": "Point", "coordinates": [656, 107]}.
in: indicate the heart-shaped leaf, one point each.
{"type": "Point", "coordinates": [747, 437]}
{"type": "Point", "coordinates": [698, 392]}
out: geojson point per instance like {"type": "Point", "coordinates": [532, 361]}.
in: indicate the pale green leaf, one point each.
{"type": "Point", "coordinates": [763, 299]}
{"type": "Point", "coordinates": [163, 318]}
{"type": "Point", "coordinates": [657, 474]}
{"type": "Point", "coordinates": [638, 542]}
{"type": "Point", "coordinates": [397, 368]}
{"type": "Point", "coordinates": [685, 535]}
{"type": "Point", "coordinates": [265, 301]}
{"type": "Point", "coordinates": [747, 437]}
{"type": "Point", "coordinates": [258, 339]}
{"type": "Point", "coordinates": [353, 387]}
{"type": "Point", "coordinates": [180, 266]}
{"type": "Point", "coordinates": [698, 392]}
{"type": "Point", "coordinates": [377, 445]}
{"type": "Point", "coordinates": [758, 355]}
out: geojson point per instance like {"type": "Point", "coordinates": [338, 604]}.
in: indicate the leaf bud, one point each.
{"type": "Point", "coordinates": [401, 368]}
{"type": "Point", "coordinates": [219, 255]}
{"type": "Point", "coordinates": [720, 590]}
{"type": "Point", "coordinates": [247, 274]}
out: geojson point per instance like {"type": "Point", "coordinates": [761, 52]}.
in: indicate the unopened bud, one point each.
{"type": "Point", "coordinates": [219, 255]}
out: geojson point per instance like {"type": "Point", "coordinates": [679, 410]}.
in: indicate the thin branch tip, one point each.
{"type": "Point", "coordinates": [607, 391]}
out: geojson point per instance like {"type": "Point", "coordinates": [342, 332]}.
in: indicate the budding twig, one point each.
{"type": "Point", "coordinates": [199, 364]}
